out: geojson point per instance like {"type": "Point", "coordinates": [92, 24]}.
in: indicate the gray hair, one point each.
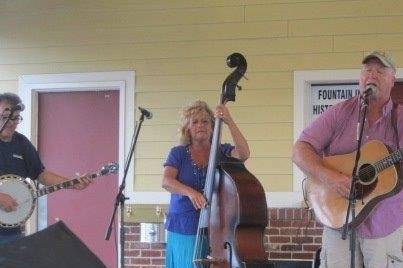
{"type": "Point", "coordinates": [10, 98]}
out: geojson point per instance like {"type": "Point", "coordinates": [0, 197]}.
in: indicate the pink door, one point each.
{"type": "Point", "coordinates": [78, 132]}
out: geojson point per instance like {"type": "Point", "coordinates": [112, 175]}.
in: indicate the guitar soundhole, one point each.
{"type": "Point", "coordinates": [367, 174]}
{"type": "Point", "coordinates": [367, 181]}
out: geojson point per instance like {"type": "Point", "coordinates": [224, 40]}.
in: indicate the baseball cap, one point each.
{"type": "Point", "coordinates": [384, 58]}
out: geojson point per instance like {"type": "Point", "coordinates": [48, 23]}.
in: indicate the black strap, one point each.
{"type": "Point", "coordinates": [394, 123]}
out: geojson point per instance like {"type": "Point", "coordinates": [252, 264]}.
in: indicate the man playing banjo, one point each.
{"type": "Point", "coordinates": [19, 157]}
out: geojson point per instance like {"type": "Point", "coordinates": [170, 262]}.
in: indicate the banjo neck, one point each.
{"type": "Point", "coordinates": [111, 168]}
{"type": "Point", "coordinates": [66, 184]}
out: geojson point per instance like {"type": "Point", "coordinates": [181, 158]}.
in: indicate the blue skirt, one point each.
{"type": "Point", "coordinates": [179, 250]}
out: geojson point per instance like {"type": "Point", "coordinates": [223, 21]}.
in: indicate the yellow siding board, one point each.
{"type": "Point", "coordinates": [273, 166]}
{"type": "Point", "coordinates": [135, 34]}
{"type": "Point", "coordinates": [260, 132]}
{"type": "Point", "coordinates": [262, 63]}
{"type": "Point", "coordinates": [368, 42]}
{"type": "Point", "coordinates": [164, 115]}
{"type": "Point", "coordinates": [357, 25]}
{"type": "Point", "coordinates": [334, 9]}
{"type": "Point", "coordinates": [181, 66]}
{"type": "Point", "coordinates": [63, 20]}
{"type": "Point", "coordinates": [266, 97]}
{"type": "Point", "coordinates": [157, 133]}
{"type": "Point", "coordinates": [117, 5]}
{"type": "Point", "coordinates": [269, 165]}
{"type": "Point", "coordinates": [148, 166]}
{"type": "Point", "coordinates": [260, 114]}
{"type": "Point", "coordinates": [275, 183]}
{"type": "Point", "coordinates": [212, 82]}
{"type": "Point", "coordinates": [175, 99]}
{"type": "Point", "coordinates": [165, 50]}
{"type": "Point", "coordinates": [270, 148]}
{"type": "Point", "coordinates": [155, 150]}
{"type": "Point", "coordinates": [259, 149]}
{"type": "Point", "coordinates": [263, 114]}
{"type": "Point", "coordinates": [265, 2]}
{"type": "Point", "coordinates": [148, 183]}
{"type": "Point", "coordinates": [142, 67]}
{"type": "Point", "coordinates": [322, 61]}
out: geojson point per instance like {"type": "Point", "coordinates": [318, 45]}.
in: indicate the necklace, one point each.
{"type": "Point", "coordinates": [199, 172]}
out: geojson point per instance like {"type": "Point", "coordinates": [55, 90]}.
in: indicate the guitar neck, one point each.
{"type": "Point", "coordinates": [388, 161]}
{"type": "Point", "coordinates": [63, 185]}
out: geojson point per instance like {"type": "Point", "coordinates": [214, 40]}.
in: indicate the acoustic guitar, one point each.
{"type": "Point", "coordinates": [378, 178]}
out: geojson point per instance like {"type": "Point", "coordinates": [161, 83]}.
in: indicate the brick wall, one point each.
{"type": "Point", "coordinates": [292, 233]}
{"type": "Point", "coordinates": [138, 254]}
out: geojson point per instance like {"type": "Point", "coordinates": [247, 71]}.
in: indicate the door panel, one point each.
{"type": "Point", "coordinates": [397, 92]}
{"type": "Point", "coordinates": [78, 132]}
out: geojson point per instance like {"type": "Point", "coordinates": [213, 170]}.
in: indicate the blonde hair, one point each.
{"type": "Point", "coordinates": [187, 113]}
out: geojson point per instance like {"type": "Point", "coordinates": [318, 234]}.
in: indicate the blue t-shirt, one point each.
{"type": "Point", "coordinates": [19, 157]}
{"type": "Point", "coordinates": [182, 217]}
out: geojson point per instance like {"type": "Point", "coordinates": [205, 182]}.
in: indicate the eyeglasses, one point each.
{"type": "Point", "coordinates": [17, 119]}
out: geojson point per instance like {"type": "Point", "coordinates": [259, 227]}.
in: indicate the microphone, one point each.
{"type": "Point", "coordinates": [370, 89]}
{"type": "Point", "coordinates": [146, 113]}
{"type": "Point", "coordinates": [19, 107]}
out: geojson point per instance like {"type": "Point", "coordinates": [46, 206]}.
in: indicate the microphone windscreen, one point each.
{"type": "Point", "coordinates": [19, 107]}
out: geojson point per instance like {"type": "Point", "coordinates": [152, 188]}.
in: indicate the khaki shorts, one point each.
{"type": "Point", "coordinates": [385, 252]}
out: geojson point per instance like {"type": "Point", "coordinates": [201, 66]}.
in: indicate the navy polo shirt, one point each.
{"type": "Point", "coordinates": [19, 157]}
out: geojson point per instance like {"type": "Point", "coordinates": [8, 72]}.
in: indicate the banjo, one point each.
{"type": "Point", "coordinates": [26, 194]}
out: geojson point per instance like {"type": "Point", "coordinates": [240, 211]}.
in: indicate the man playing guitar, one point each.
{"type": "Point", "coordinates": [379, 242]}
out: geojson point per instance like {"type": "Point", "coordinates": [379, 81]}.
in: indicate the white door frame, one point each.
{"type": "Point", "coordinates": [124, 81]}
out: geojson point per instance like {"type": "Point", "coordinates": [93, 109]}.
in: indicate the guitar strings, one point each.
{"type": "Point", "coordinates": [368, 170]}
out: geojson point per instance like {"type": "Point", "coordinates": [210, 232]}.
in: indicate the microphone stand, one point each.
{"type": "Point", "coordinates": [4, 124]}
{"type": "Point", "coordinates": [12, 110]}
{"type": "Point", "coordinates": [121, 198]}
{"type": "Point", "coordinates": [354, 179]}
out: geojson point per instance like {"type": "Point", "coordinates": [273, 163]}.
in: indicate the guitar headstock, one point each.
{"type": "Point", "coordinates": [111, 168]}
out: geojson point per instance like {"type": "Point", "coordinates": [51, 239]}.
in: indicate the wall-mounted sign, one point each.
{"type": "Point", "coordinates": [325, 95]}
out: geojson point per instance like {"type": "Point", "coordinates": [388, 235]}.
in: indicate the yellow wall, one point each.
{"type": "Point", "coordinates": [178, 50]}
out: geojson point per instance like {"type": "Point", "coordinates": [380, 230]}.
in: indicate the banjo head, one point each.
{"type": "Point", "coordinates": [22, 191]}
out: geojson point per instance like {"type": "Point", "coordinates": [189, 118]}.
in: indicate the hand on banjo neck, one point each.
{"type": "Point", "coordinates": [9, 204]}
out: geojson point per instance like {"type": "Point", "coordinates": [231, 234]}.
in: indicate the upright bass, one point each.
{"type": "Point", "coordinates": [231, 226]}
